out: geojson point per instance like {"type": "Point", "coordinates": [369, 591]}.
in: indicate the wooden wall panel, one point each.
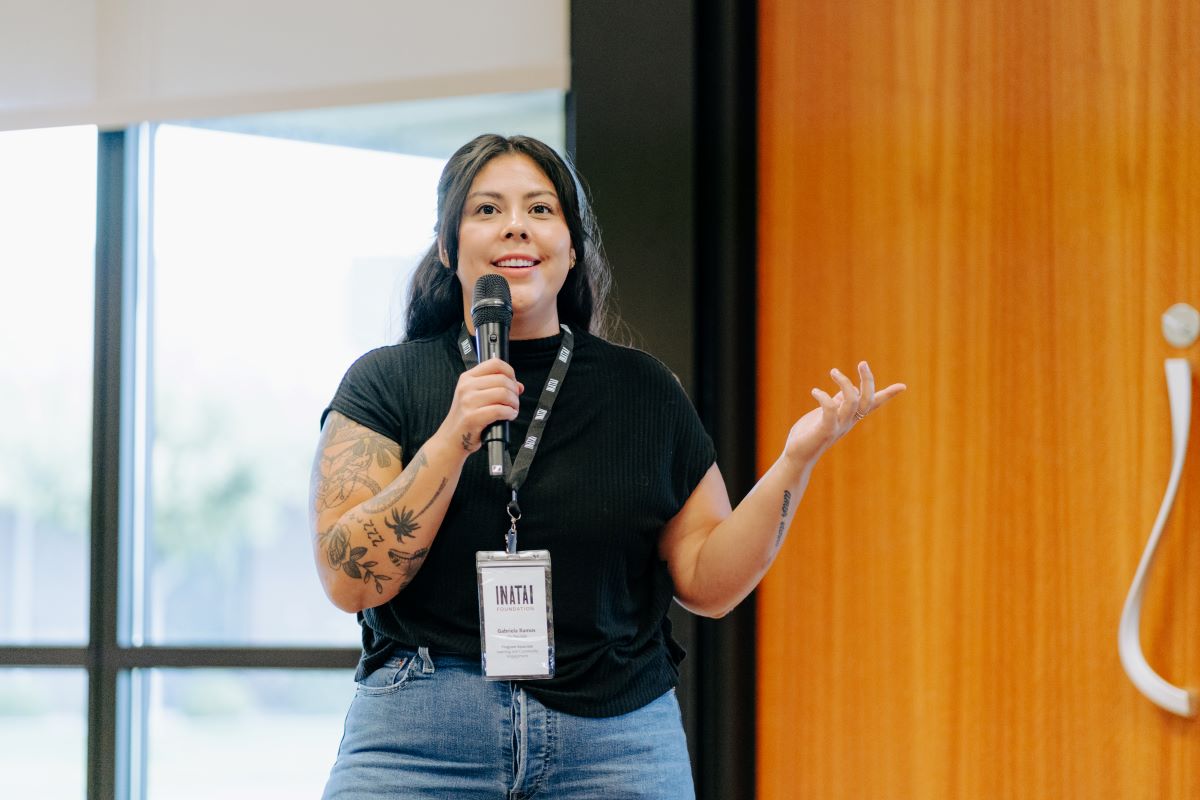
{"type": "Point", "coordinates": [993, 201]}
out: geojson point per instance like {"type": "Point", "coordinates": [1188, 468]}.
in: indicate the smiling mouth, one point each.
{"type": "Point", "coordinates": [516, 263]}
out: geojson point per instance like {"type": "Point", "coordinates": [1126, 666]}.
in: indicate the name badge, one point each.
{"type": "Point", "coordinates": [516, 622]}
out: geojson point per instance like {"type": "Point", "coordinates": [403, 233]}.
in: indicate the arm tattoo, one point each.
{"type": "Point", "coordinates": [336, 544]}
{"type": "Point", "coordinates": [389, 497]}
{"type": "Point", "coordinates": [344, 470]}
{"type": "Point", "coordinates": [373, 534]}
{"type": "Point", "coordinates": [466, 441]}
{"type": "Point", "coordinates": [408, 563]}
{"type": "Point", "coordinates": [402, 523]}
{"type": "Point", "coordinates": [435, 497]}
{"type": "Point", "coordinates": [783, 512]}
{"type": "Point", "coordinates": [348, 454]}
{"type": "Point", "coordinates": [363, 569]}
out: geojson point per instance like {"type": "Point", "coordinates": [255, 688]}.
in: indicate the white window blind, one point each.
{"type": "Point", "coordinates": [115, 62]}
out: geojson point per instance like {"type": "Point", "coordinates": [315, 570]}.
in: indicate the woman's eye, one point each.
{"type": "Point", "coordinates": [540, 208]}
{"type": "Point", "coordinates": [488, 208]}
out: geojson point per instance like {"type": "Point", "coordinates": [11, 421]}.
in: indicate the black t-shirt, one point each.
{"type": "Point", "coordinates": [622, 451]}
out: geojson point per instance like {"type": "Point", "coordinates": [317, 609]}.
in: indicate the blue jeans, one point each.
{"type": "Point", "coordinates": [420, 729]}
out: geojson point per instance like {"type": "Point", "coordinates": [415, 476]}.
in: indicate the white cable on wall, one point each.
{"type": "Point", "coordinates": [1150, 683]}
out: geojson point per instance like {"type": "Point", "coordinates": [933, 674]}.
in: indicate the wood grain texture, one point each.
{"type": "Point", "coordinates": [993, 201]}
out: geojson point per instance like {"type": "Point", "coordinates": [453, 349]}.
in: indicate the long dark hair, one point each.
{"type": "Point", "coordinates": [435, 300]}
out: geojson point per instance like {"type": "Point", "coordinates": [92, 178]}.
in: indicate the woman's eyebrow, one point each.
{"type": "Point", "coordinates": [528, 195]}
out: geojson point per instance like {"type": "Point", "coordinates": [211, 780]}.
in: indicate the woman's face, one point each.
{"type": "Point", "coordinates": [513, 225]}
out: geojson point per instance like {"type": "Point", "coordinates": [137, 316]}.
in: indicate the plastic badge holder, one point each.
{"type": "Point", "coordinates": [496, 568]}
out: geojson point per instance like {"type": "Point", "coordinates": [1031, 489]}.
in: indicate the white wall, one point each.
{"type": "Point", "coordinates": [113, 62]}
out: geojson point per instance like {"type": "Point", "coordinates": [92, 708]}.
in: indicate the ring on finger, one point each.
{"type": "Point", "coordinates": [858, 415]}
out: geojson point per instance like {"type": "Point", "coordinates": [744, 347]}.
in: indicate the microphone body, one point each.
{"type": "Point", "coordinates": [491, 314]}
{"type": "Point", "coordinates": [491, 341]}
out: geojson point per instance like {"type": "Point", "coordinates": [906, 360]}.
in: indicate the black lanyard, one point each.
{"type": "Point", "coordinates": [517, 470]}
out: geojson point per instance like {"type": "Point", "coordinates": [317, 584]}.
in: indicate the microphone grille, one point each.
{"type": "Point", "coordinates": [491, 301]}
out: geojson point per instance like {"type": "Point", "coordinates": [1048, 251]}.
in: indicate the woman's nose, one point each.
{"type": "Point", "coordinates": [515, 229]}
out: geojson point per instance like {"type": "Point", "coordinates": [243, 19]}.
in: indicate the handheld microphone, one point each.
{"type": "Point", "coordinates": [491, 314]}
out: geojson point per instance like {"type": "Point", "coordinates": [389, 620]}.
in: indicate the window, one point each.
{"type": "Point", "coordinates": [265, 288]}
{"type": "Point", "coordinates": [48, 204]}
{"type": "Point", "coordinates": [160, 610]}
{"type": "Point", "coordinates": [43, 732]}
{"type": "Point", "coordinates": [273, 733]}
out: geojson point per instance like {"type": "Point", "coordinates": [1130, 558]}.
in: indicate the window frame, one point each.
{"type": "Point", "coordinates": [116, 701]}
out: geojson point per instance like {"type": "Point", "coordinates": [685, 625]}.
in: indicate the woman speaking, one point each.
{"type": "Point", "coordinates": [514, 615]}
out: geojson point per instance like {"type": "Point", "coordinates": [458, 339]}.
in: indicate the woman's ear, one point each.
{"type": "Point", "coordinates": [443, 257]}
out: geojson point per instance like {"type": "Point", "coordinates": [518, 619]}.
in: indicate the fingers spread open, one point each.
{"type": "Point", "coordinates": [884, 395]}
{"type": "Point", "coordinates": [849, 393]}
{"type": "Point", "coordinates": [867, 384]}
{"type": "Point", "coordinates": [824, 399]}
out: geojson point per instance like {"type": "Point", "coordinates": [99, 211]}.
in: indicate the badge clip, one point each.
{"type": "Point", "coordinates": [510, 538]}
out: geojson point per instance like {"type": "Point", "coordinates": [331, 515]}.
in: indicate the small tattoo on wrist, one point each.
{"type": "Point", "coordinates": [783, 512]}
{"type": "Point", "coordinates": [466, 441]}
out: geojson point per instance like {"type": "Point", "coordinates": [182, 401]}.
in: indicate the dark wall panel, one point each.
{"type": "Point", "coordinates": [661, 119]}
{"type": "Point", "coordinates": [634, 141]}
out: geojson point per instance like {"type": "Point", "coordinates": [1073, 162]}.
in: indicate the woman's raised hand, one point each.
{"type": "Point", "coordinates": [486, 393]}
{"type": "Point", "coordinates": [817, 430]}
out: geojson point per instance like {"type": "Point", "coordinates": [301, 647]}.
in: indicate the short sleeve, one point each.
{"type": "Point", "coordinates": [692, 448]}
{"type": "Point", "coordinates": [367, 395]}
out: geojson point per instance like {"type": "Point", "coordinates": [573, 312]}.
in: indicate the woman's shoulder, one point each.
{"type": "Point", "coordinates": [630, 361]}
{"type": "Point", "coordinates": [408, 350]}
{"type": "Point", "coordinates": [391, 365]}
